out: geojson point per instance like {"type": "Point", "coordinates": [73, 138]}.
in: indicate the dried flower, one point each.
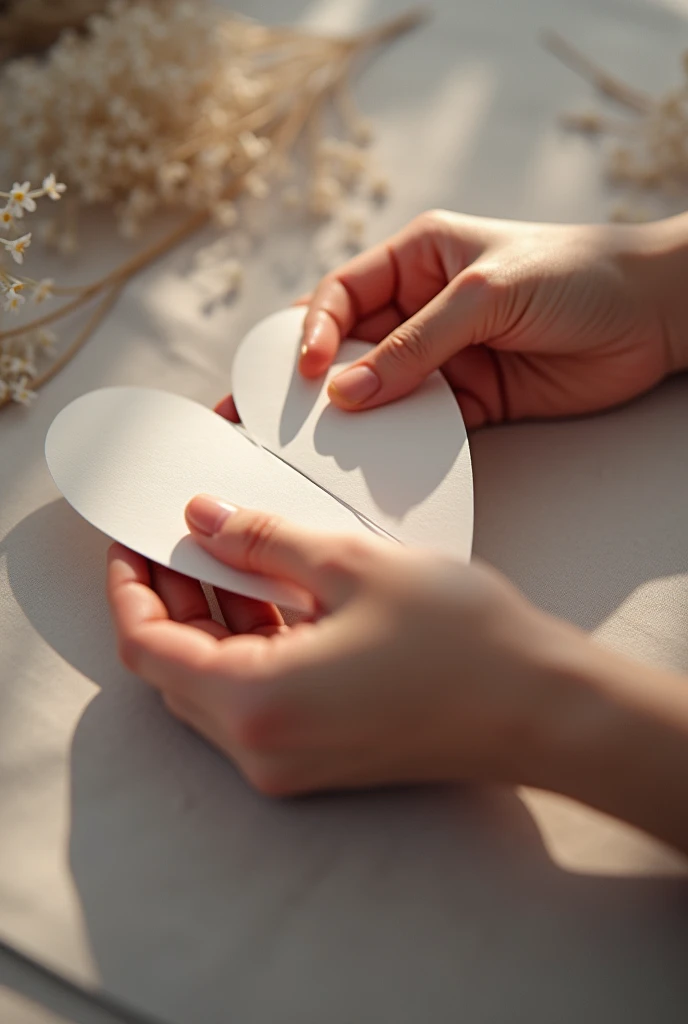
{"type": "Point", "coordinates": [21, 392]}
{"type": "Point", "coordinates": [52, 187]}
{"type": "Point", "coordinates": [46, 339]}
{"type": "Point", "coordinates": [20, 199]}
{"type": "Point", "coordinates": [234, 276]}
{"type": "Point", "coordinates": [16, 247]}
{"type": "Point", "coordinates": [164, 105]}
{"type": "Point", "coordinates": [651, 147]}
{"type": "Point", "coordinates": [43, 289]}
{"type": "Point", "coordinates": [13, 301]}
{"type": "Point", "coordinates": [225, 213]}
{"type": "Point", "coordinates": [17, 352]}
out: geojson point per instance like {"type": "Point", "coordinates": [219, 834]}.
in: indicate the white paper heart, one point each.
{"type": "Point", "coordinates": [129, 459]}
{"type": "Point", "coordinates": [405, 466]}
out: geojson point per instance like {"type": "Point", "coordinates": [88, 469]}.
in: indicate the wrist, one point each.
{"type": "Point", "coordinates": [658, 261]}
{"type": "Point", "coordinates": [612, 734]}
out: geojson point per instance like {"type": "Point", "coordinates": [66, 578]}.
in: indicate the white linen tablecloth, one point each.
{"type": "Point", "coordinates": [132, 858]}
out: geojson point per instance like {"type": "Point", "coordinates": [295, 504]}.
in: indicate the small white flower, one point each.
{"type": "Point", "coordinates": [234, 276]}
{"type": "Point", "coordinates": [13, 301]}
{"type": "Point", "coordinates": [43, 290]}
{"type": "Point", "coordinates": [46, 339]}
{"type": "Point", "coordinates": [52, 187]}
{"type": "Point", "coordinates": [20, 199]}
{"type": "Point", "coordinates": [253, 148]}
{"type": "Point", "coordinates": [13, 365]}
{"type": "Point", "coordinates": [17, 246]}
{"type": "Point", "coordinates": [23, 366]}
{"type": "Point", "coordinates": [22, 393]}
{"type": "Point", "coordinates": [225, 213]}
{"type": "Point", "coordinates": [256, 185]}
{"type": "Point", "coordinates": [6, 217]}
{"type": "Point", "coordinates": [173, 173]}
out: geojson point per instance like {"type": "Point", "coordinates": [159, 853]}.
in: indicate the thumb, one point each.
{"type": "Point", "coordinates": [259, 542]}
{"type": "Point", "coordinates": [455, 318]}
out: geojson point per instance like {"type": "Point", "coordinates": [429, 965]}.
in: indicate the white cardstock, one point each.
{"type": "Point", "coordinates": [405, 466]}
{"type": "Point", "coordinates": [129, 459]}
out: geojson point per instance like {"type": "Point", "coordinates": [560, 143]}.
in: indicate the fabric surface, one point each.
{"type": "Point", "coordinates": [132, 858]}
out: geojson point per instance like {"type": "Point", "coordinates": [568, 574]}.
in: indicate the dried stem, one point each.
{"type": "Point", "coordinates": [612, 87]}
{"type": "Point", "coordinates": [99, 314]}
{"type": "Point", "coordinates": [285, 130]}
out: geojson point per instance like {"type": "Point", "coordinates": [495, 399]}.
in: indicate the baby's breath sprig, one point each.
{"type": "Point", "coordinates": [648, 151]}
{"type": "Point", "coordinates": [20, 352]}
{"type": "Point", "coordinates": [172, 107]}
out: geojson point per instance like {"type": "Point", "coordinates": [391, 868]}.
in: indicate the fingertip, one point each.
{"type": "Point", "coordinates": [319, 343]}
{"type": "Point", "coordinates": [313, 362]}
{"type": "Point", "coordinates": [227, 409]}
{"type": "Point", "coordinates": [205, 514]}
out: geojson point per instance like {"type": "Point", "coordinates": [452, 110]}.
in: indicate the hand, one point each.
{"type": "Point", "coordinates": [525, 320]}
{"type": "Point", "coordinates": [413, 667]}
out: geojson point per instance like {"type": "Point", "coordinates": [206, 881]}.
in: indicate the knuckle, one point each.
{"type": "Point", "coordinates": [257, 538]}
{"type": "Point", "coordinates": [480, 279]}
{"type": "Point", "coordinates": [430, 220]}
{"type": "Point", "coordinates": [347, 559]}
{"type": "Point", "coordinates": [409, 347]}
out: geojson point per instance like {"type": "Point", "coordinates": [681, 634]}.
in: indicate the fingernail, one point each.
{"type": "Point", "coordinates": [311, 337]}
{"type": "Point", "coordinates": [207, 514]}
{"type": "Point", "coordinates": [355, 385]}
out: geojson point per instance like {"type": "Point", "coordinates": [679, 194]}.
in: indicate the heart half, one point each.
{"type": "Point", "coordinates": [129, 459]}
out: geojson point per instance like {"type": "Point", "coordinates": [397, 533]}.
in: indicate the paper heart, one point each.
{"type": "Point", "coordinates": [129, 459]}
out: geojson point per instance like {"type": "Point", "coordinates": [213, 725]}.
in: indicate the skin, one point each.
{"type": "Point", "coordinates": [413, 667]}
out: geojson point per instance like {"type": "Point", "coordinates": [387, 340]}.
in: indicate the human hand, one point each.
{"type": "Point", "coordinates": [413, 666]}
{"type": "Point", "coordinates": [525, 320]}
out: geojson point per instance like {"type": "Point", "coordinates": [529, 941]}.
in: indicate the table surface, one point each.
{"type": "Point", "coordinates": [133, 861]}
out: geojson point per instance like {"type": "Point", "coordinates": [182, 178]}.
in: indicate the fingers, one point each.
{"type": "Point", "coordinates": [228, 410]}
{"type": "Point", "coordinates": [185, 600]}
{"type": "Point", "coordinates": [150, 643]}
{"type": "Point", "coordinates": [402, 273]}
{"type": "Point", "coordinates": [329, 568]}
{"type": "Point", "coordinates": [363, 285]}
{"type": "Point", "coordinates": [244, 615]}
{"type": "Point", "coordinates": [454, 319]}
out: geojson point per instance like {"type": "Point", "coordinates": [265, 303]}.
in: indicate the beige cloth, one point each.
{"type": "Point", "coordinates": [133, 859]}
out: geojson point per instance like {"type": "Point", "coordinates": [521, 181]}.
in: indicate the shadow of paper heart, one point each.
{"type": "Point", "coordinates": [397, 480]}
{"type": "Point", "coordinates": [56, 568]}
{"type": "Point", "coordinates": [301, 397]}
